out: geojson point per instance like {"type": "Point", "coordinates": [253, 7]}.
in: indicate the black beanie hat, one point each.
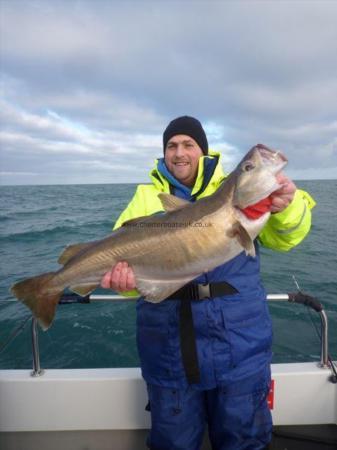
{"type": "Point", "coordinates": [189, 126]}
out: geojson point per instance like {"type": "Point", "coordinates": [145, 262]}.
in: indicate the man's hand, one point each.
{"type": "Point", "coordinates": [121, 278]}
{"type": "Point", "coordinates": [280, 199]}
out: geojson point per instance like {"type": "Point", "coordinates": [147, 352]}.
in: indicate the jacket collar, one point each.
{"type": "Point", "coordinates": [162, 184]}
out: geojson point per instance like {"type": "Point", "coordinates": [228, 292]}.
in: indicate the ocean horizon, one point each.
{"type": "Point", "coordinates": [138, 182]}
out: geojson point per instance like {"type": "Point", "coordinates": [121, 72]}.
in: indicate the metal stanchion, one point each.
{"type": "Point", "coordinates": [37, 371]}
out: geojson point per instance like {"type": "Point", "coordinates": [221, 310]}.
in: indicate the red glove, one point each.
{"type": "Point", "coordinates": [257, 210]}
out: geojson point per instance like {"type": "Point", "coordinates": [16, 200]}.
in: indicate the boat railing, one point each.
{"type": "Point", "coordinates": [297, 297]}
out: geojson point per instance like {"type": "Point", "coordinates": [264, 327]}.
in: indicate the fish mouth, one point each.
{"type": "Point", "coordinates": [276, 160]}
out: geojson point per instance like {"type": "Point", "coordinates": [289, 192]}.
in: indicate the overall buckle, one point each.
{"type": "Point", "coordinates": [204, 291]}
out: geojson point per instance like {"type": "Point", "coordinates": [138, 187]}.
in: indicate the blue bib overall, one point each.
{"type": "Point", "coordinates": [233, 339]}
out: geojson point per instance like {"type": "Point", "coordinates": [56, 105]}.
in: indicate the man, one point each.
{"type": "Point", "coordinates": [207, 360]}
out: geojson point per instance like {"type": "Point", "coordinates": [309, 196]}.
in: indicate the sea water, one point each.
{"type": "Point", "coordinates": [37, 222]}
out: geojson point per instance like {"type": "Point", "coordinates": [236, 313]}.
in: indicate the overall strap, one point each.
{"type": "Point", "coordinates": [188, 345]}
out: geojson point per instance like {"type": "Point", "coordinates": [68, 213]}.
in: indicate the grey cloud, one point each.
{"type": "Point", "coordinates": [263, 71]}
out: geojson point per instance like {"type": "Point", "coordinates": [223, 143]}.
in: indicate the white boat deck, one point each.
{"type": "Point", "coordinates": [93, 408]}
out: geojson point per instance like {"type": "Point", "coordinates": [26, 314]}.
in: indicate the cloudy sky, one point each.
{"type": "Point", "coordinates": [87, 87]}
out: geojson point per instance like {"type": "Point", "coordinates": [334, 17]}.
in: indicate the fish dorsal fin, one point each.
{"type": "Point", "coordinates": [134, 221]}
{"type": "Point", "coordinates": [240, 233]}
{"type": "Point", "coordinates": [71, 250]}
{"type": "Point", "coordinates": [171, 202]}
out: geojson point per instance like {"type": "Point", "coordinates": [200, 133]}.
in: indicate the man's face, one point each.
{"type": "Point", "coordinates": [182, 155]}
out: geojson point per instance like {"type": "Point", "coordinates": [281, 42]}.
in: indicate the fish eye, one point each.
{"type": "Point", "coordinates": [247, 166]}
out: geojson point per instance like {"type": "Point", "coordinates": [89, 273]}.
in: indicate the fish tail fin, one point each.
{"type": "Point", "coordinates": [39, 296]}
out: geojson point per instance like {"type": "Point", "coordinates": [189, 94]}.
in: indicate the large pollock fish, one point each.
{"type": "Point", "coordinates": [167, 250]}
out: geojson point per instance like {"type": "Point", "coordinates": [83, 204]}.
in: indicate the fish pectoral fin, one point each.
{"type": "Point", "coordinates": [72, 250]}
{"type": "Point", "coordinates": [240, 233]}
{"type": "Point", "coordinates": [171, 202]}
{"type": "Point", "coordinates": [83, 289]}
